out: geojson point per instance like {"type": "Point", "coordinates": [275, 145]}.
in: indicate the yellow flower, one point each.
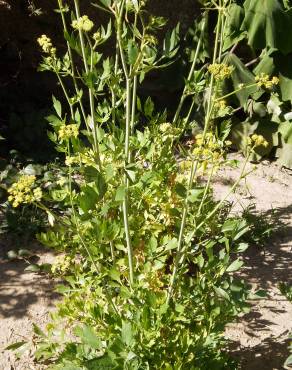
{"type": "Point", "coordinates": [46, 44]}
{"type": "Point", "coordinates": [257, 140]}
{"type": "Point", "coordinates": [67, 132]}
{"type": "Point", "coordinates": [221, 104]}
{"type": "Point", "coordinates": [263, 80]}
{"type": "Point", "coordinates": [83, 24]}
{"type": "Point", "coordinates": [23, 191]}
{"type": "Point", "coordinates": [220, 71]}
{"type": "Point", "coordinates": [164, 127]}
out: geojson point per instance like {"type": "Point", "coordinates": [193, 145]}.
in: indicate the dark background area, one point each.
{"type": "Point", "coordinates": [25, 94]}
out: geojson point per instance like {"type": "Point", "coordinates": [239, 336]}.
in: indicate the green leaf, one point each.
{"type": "Point", "coordinates": [232, 32]}
{"type": "Point", "coordinates": [235, 265]}
{"type": "Point", "coordinates": [240, 75]}
{"type": "Point", "coordinates": [12, 255]}
{"type": "Point", "coordinates": [15, 346]}
{"type": "Point", "coordinates": [172, 244]}
{"type": "Point", "coordinates": [285, 128]}
{"type": "Point", "coordinates": [57, 106]}
{"type": "Point", "coordinates": [106, 3]}
{"type": "Point", "coordinates": [288, 362]}
{"type": "Point", "coordinates": [132, 52]}
{"type": "Point", "coordinates": [127, 334]}
{"type": "Point", "coordinates": [88, 336]}
{"type": "Point", "coordinates": [38, 331]}
{"type": "Point", "coordinates": [200, 261]}
{"type": "Point", "coordinates": [242, 247]}
{"type": "Point", "coordinates": [135, 4]}
{"type": "Point", "coordinates": [266, 23]}
{"type": "Point", "coordinates": [120, 194]}
{"type": "Point", "coordinates": [222, 293]}
{"type": "Point", "coordinates": [259, 294]}
{"type": "Point", "coordinates": [180, 190]}
{"type": "Point", "coordinates": [51, 218]}
{"type": "Point", "coordinates": [284, 155]}
{"type": "Point", "coordinates": [195, 194]}
{"type": "Point", "coordinates": [32, 268]}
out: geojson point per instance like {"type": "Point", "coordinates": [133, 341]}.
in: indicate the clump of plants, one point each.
{"type": "Point", "coordinates": [149, 254]}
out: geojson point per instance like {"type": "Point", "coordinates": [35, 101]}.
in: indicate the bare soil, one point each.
{"type": "Point", "coordinates": [259, 340]}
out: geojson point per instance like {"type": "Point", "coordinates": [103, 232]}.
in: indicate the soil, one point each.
{"type": "Point", "coordinates": [259, 340]}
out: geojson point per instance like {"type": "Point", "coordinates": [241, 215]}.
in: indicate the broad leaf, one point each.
{"type": "Point", "coordinates": [266, 23]}
{"type": "Point", "coordinates": [240, 75]}
{"type": "Point", "coordinates": [232, 32]}
{"type": "Point", "coordinates": [88, 336]}
{"type": "Point", "coordinates": [235, 265]}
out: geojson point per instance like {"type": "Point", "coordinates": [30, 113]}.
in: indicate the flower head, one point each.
{"type": "Point", "coordinates": [67, 132]}
{"type": "Point", "coordinates": [220, 71]}
{"type": "Point", "coordinates": [83, 24]}
{"type": "Point", "coordinates": [23, 191]}
{"type": "Point", "coordinates": [257, 140]}
{"type": "Point", "coordinates": [46, 44]}
{"type": "Point", "coordinates": [263, 80]}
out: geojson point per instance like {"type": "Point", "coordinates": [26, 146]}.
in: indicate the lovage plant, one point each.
{"type": "Point", "coordinates": [150, 254]}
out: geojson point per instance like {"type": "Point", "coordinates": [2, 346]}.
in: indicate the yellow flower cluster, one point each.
{"type": "Point", "coordinates": [61, 264]}
{"type": "Point", "coordinates": [209, 151]}
{"type": "Point", "coordinates": [67, 132]}
{"type": "Point", "coordinates": [46, 44]}
{"type": "Point", "coordinates": [97, 36]}
{"type": "Point", "coordinates": [164, 127]}
{"type": "Point", "coordinates": [22, 191]}
{"type": "Point", "coordinates": [86, 158]}
{"type": "Point", "coordinates": [257, 140]}
{"type": "Point", "coordinates": [263, 80]}
{"type": "Point", "coordinates": [221, 104]}
{"type": "Point", "coordinates": [220, 71]}
{"type": "Point", "coordinates": [168, 131]}
{"type": "Point", "coordinates": [83, 24]}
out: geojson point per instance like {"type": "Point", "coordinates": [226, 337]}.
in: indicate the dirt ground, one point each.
{"type": "Point", "coordinates": [259, 339]}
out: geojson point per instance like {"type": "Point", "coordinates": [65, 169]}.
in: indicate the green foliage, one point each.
{"type": "Point", "coordinates": [263, 26]}
{"type": "Point", "coordinates": [150, 256]}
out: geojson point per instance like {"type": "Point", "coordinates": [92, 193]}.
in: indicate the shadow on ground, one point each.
{"type": "Point", "coordinates": [19, 290]}
{"type": "Point", "coordinates": [266, 348]}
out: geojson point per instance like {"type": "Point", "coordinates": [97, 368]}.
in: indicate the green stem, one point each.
{"type": "Point", "coordinates": [206, 190]}
{"type": "Point", "coordinates": [90, 90]}
{"type": "Point", "coordinates": [112, 90]}
{"type": "Point", "coordinates": [134, 103]}
{"type": "Point", "coordinates": [179, 255]}
{"type": "Point", "coordinates": [65, 93]}
{"type": "Point", "coordinates": [60, 3]}
{"type": "Point", "coordinates": [191, 73]}
{"type": "Point", "coordinates": [234, 186]}
{"type": "Point", "coordinates": [126, 200]}
{"type": "Point", "coordinates": [181, 233]}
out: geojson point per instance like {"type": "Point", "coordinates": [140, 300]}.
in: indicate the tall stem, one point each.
{"type": "Point", "coordinates": [126, 200]}
{"type": "Point", "coordinates": [66, 94]}
{"type": "Point", "coordinates": [90, 89]}
{"type": "Point", "coordinates": [119, 20]}
{"type": "Point", "coordinates": [191, 73]}
{"type": "Point", "coordinates": [60, 3]}
{"type": "Point", "coordinates": [179, 256]}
